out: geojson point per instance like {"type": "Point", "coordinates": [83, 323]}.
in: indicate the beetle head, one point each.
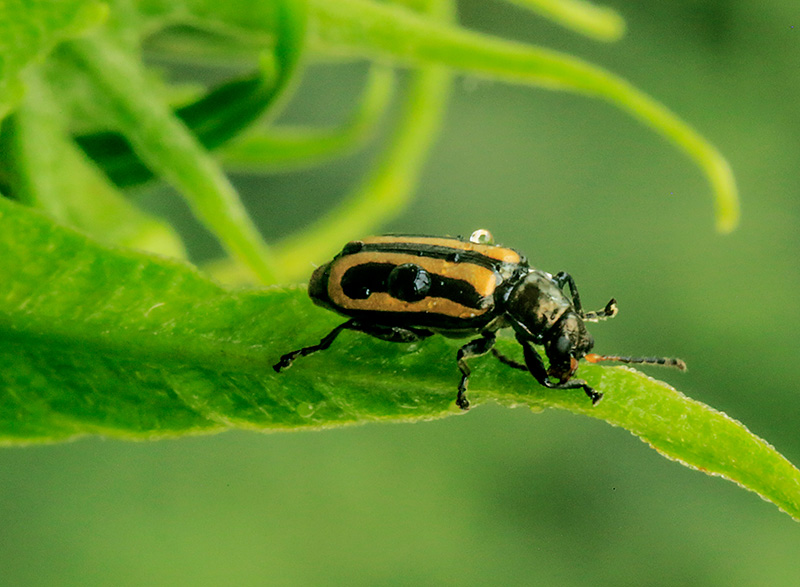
{"type": "Point", "coordinates": [568, 341]}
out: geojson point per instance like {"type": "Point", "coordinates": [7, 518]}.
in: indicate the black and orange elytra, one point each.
{"type": "Point", "coordinates": [403, 288]}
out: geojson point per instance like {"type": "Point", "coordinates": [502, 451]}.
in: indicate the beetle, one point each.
{"type": "Point", "coordinates": [404, 288]}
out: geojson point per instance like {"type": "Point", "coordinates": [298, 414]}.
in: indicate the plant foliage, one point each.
{"type": "Point", "coordinates": [101, 336]}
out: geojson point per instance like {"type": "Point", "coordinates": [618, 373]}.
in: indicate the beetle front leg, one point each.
{"type": "Point", "coordinates": [536, 368]}
{"type": "Point", "coordinates": [608, 312]}
{"type": "Point", "coordinates": [474, 348]}
{"type": "Point", "coordinates": [562, 279]}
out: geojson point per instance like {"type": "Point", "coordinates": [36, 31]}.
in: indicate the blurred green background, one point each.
{"type": "Point", "coordinates": [499, 496]}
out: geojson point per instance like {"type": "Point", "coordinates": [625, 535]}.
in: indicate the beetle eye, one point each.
{"type": "Point", "coordinates": [563, 345]}
{"type": "Point", "coordinates": [409, 282]}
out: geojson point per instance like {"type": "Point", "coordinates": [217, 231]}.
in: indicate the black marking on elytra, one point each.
{"type": "Point", "coordinates": [360, 281]}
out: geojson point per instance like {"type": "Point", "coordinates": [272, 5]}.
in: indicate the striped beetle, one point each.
{"type": "Point", "coordinates": [403, 288]}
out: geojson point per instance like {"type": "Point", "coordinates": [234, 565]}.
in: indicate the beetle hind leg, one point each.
{"type": "Point", "coordinates": [389, 333]}
{"type": "Point", "coordinates": [286, 360]}
{"type": "Point", "coordinates": [474, 348]}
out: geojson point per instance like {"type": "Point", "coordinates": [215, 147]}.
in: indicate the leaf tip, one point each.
{"type": "Point", "coordinates": [726, 196]}
{"type": "Point", "coordinates": [609, 25]}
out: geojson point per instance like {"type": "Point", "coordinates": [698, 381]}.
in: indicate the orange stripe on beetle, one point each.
{"type": "Point", "coordinates": [496, 252]}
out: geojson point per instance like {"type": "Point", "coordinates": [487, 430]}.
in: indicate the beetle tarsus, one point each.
{"type": "Point", "coordinates": [462, 401]}
{"type": "Point", "coordinates": [284, 363]}
{"type": "Point", "coordinates": [594, 395]}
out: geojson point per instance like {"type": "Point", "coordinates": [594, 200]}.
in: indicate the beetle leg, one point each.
{"type": "Point", "coordinates": [563, 278]}
{"type": "Point", "coordinates": [474, 348]}
{"type": "Point", "coordinates": [287, 359]}
{"type": "Point", "coordinates": [536, 368]}
{"type": "Point", "coordinates": [392, 334]}
{"type": "Point", "coordinates": [608, 312]}
{"type": "Point", "coordinates": [508, 361]}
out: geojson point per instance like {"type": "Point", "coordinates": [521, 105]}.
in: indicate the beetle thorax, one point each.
{"type": "Point", "coordinates": [536, 304]}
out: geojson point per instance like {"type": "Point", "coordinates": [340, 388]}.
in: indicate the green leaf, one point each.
{"type": "Point", "coordinates": [127, 345]}
{"type": "Point", "coordinates": [284, 148]}
{"type": "Point", "coordinates": [168, 148]}
{"type": "Point", "coordinates": [384, 191]}
{"type": "Point", "coordinates": [228, 110]}
{"type": "Point", "coordinates": [389, 186]}
{"type": "Point", "coordinates": [214, 119]}
{"type": "Point", "coordinates": [375, 30]}
{"type": "Point", "coordinates": [601, 23]}
{"type": "Point", "coordinates": [31, 28]}
{"type": "Point", "coordinates": [224, 112]}
{"type": "Point", "coordinates": [47, 171]}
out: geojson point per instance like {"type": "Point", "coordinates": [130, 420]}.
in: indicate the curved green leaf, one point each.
{"type": "Point", "coordinates": [282, 148]}
{"type": "Point", "coordinates": [46, 170]}
{"type": "Point", "coordinates": [599, 22]}
{"type": "Point", "coordinates": [220, 115]}
{"type": "Point", "coordinates": [214, 119]}
{"type": "Point", "coordinates": [123, 344]}
{"type": "Point", "coordinates": [376, 30]}
{"type": "Point", "coordinates": [389, 186]}
{"type": "Point", "coordinates": [383, 192]}
{"type": "Point", "coordinates": [31, 28]}
{"type": "Point", "coordinates": [171, 150]}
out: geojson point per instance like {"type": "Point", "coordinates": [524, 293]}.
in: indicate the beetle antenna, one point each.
{"type": "Point", "coordinates": [663, 361]}
{"type": "Point", "coordinates": [608, 312]}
